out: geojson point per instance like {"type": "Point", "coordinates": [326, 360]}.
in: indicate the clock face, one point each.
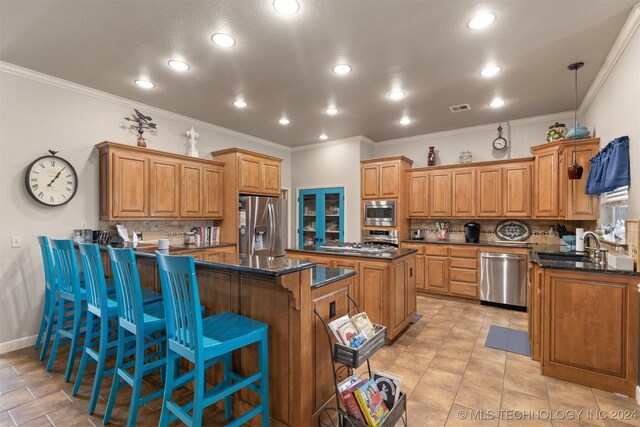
{"type": "Point", "coordinates": [51, 181]}
{"type": "Point", "coordinates": [500, 143]}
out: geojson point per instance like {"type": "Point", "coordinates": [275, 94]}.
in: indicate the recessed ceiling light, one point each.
{"type": "Point", "coordinates": [284, 121]}
{"type": "Point", "coordinates": [239, 103]}
{"type": "Point", "coordinates": [323, 137]}
{"type": "Point", "coordinates": [482, 21]}
{"type": "Point", "coordinates": [178, 65]}
{"type": "Point", "coordinates": [405, 121]}
{"type": "Point", "coordinates": [286, 7]}
{"type": "Point", "coordinates": [332, 111]}
{"type": "Point", "coordinates": [490, 71]}
{"type": "Point", "coordinates": [396, 94]}
{"type": "Point", "coordinates": [497, 103]}
{"type": "Point", "coordinates": [342, 69]}
{"type": "Point", "coordinates": [224, 40]}
{"type": "Point", "coordinates": [145, 84]}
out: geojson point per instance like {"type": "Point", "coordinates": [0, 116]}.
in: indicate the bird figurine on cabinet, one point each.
{"type": "Point", "coordinates": [142, 122]}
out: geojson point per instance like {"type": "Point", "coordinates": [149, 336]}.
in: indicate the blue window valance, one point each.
{"type": "Point", "coordinates": [610, 167]}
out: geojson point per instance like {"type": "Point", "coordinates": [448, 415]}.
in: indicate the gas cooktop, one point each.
{"type": "Point", "coordinates": [369, 248]}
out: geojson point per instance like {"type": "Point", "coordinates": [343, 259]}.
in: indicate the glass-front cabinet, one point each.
{"type": "Point", "coordinates": [321, 216]}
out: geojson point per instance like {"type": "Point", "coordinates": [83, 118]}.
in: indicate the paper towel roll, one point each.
{"type": "Point", "coordinates": [579, 241]}
{"type": "Point", "coordinates": [163, 244]}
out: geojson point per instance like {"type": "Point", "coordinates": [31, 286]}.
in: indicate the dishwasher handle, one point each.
{"type": "Point", "coordinates": [502, 256]}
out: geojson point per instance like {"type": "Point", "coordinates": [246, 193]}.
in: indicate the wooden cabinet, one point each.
{"type": "Point", "coordinates": [534, 310]}
{"type": "Point", "coordinates": [216, 254]}
{"type": "Point", "coordinates": [440, 193]}
{"type": "Point", "coordinates": [436, 268]}
{"type": "Point", "coordinates": [257, 174]}
{"type": "Point", "coordinates": [554, 195]}
{"type": "Point", "coordinates": [140, 183]}
{"type": "Point", "coordinates": [516, 184]}
{"type": "Point", "coordinates": [373, 297]}
{"type": "Point", "coordinates": [419, 276]}
{"type": "Point", "coordinates": [489, 199]}
{"type": "Point", "coordinates": [380, 180]}
{"type": "Point", "coordinates": [418, 194]}
{"type": "Point", "coordinates": [463, 185]}
{"type": "Point", "coordinates": [403, 295]}
{"type": "Point", "coordinates": [463, 271]}
{"type": "Point", "coordinates": [590, 329]}
{"type": "Point", "coordinates": [349, 264]}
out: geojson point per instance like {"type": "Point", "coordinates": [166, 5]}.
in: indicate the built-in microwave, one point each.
{"type": "Point", "coordinates": [379, 213]}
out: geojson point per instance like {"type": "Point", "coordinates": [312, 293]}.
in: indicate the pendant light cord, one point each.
{"type": "Point", "coordinates": [575, 120]}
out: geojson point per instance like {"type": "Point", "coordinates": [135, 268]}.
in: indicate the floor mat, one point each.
{"type": "Point", "coordinates": [512, 340]}
{"type": "Point", "coordinates": [417, 317]}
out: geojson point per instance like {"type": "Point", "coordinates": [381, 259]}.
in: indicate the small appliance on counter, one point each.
{"type": "Point", "coordinates": [418, 233]}
{"type": "Point", "coordinates": [472, 232]}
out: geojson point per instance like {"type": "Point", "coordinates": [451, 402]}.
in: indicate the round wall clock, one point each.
{"type": "Point", "coordinates": [51, 180]}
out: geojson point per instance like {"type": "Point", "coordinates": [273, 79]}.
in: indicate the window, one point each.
{"type": "Point", "coordinates": [613, 213]}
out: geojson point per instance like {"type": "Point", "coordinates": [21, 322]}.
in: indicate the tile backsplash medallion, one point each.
{"type": "Point", "coordinates": [157, 229]}
{"type": "Point", "coordinates": [542, 231]}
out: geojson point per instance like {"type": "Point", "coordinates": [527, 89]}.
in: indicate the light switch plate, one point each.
{"type": "Point", "coordinates": [16, 241]}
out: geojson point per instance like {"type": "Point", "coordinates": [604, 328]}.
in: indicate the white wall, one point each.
{"type": "Point", "coordinates": [615, 109]}
{"type": "Point", "coordinates": [38, 113]}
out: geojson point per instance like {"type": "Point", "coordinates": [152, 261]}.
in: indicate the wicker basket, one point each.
{"type": "Point", "coordinates": [354, 357]}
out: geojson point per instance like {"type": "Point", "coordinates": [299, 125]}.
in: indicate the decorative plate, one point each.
{"type": "Point", "coordinates": [513, 230]}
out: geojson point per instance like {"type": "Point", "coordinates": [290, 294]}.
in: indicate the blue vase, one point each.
{"type": "Point", "coordinates": [578, 132]}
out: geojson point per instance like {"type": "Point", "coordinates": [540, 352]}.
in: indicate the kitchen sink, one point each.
{"type": "Point", "coordinates": [554, 256]}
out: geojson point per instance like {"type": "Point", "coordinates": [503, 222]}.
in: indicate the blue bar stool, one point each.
{"type": "Point", "coordinates": [145, 322]}
{"type": "Point", "coordinates": [69, 290]}
{"type": "Point", "coordinates": [204, 342]}
{"type": "Point", "coordinates": [100, 340]}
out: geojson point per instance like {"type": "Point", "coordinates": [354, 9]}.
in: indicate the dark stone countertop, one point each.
{"type": "Point", "coordinates": [585, 267]}
{"type": "Point", "coordinates": [516, 244]}
{"type": "Point", "coordinates": [322, 276]}
{"type": "Point", "coordinates": [389, 255]}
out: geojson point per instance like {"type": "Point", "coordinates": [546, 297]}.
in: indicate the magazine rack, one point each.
{"type": "Point", "coordinates": [344, 360]}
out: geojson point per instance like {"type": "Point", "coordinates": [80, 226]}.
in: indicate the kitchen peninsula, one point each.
{"type": "Point", "coordinates": [282, 293]}
{"type": "Point", "coordinates": [385, 286]}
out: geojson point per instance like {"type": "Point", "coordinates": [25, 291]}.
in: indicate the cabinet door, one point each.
{"type": "Point", "coordinates": [271, 177]}
{"type": "Point", "coordinates": [370, 181]}
{"type": "Point", "coordinates": [372, 295]}
{"type": "Point", "coordinates": [563, 185]}
{"type": "Point", "coordinates": [389, 177]}
{"type": "Point", "coordinates": [191, 177]}
{"type": "Point", "coordinates": [164, 188]}
{"type": "Point", "coordinates": [332, 210]}
{"type": "Point", "coordinates": [130, 186]}
{"type": "Point", "coordinates": [213, 195]}
{"type": "Point", "coordinates": [308, 221]}
{"type": "Point", "coordinates": [489, 192]}
{"type": "Point", "coordinates": [517, 190]}
{"type": "Point", "coordinates": [249, 169]}
{"type": "Point", "coordinates": [580, 204]}
{"type": "Point", "coordinates": [344, 262]}
{"type": "Point", "coordinates": [463, 185]}
{"type": "Point", "coordinates": [418, 187]}
{"type": "Point", "coordinates": [545, 185]}
{"type": "Point", "coordinates": [440, 194]}
{"type": "Point", "coordinates": [436, 274]}
{"type": "Point", "coordinates": [412, 274]}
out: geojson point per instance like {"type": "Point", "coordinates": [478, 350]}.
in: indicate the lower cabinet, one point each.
{"type": "Point", "coordinates": [436, 274]}
{"type": "Point", "coordinates": [386, 290]}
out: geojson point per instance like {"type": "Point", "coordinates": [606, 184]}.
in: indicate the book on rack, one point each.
{"type": "Point", "coordinates": [346, 389]}
{"type": "Point", "coordinates": [371, 403]}
{"type": "Point", "coordinates": [346, 332]}
{"type": "Point", "coordinates": [388, 386]}
{"type": "Point", "coordinates": [364, 325]}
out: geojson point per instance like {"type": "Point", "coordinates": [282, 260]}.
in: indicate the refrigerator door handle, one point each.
{"type": "Point", "coordinates": [272, 229]}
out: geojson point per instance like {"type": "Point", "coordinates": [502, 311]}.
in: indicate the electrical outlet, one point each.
{"type": "Point", "coordinates": [16, 241]}
{"type": "Point", "coordinates": [83, 224]}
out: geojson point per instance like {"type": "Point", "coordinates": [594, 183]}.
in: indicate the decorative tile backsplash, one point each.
{"type": "Point", "coordinates": [155, 229]}
{"type": "Point", "coordinates": [542, 231]}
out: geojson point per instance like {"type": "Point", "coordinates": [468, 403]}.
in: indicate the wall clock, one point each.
{"type": "Point", "coordinates": [51, 180]}
{"type": "Point", "coordinates": [499, 143]}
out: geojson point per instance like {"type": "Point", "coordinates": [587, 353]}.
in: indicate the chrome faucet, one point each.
{"type": "Point", "coordinates": [595, 236]}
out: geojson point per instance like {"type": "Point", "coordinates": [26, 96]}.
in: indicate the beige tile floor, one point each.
{"type": "Point", "coordinates": [447, 374]}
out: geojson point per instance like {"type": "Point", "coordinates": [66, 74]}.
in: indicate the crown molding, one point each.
{"type": "Point", "coordinates": [16, 70]}
{"type": "Point", "coordinates": [624, 37]}
{"type": "Point", "coordinates": [349, 140]}
{"type": "Point", "coordinates": [474, 129]}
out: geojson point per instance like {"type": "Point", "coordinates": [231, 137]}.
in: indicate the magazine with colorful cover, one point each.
{"type": "Point", "coordinates": [364, 325]}
{"type": "Point", "coordinates": [346, 389]}
{"type": "Point", "coordinates": [371, 403]}
{"type": "Point", "coordinates": [388, 386]}
{"type": "Point", "coordinates": [338, 323]}
{"type": "Point", "coordinates": [350, 336]}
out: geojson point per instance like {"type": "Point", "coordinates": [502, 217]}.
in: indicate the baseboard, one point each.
{"type": "Point", "coordinates": [638, 394]}
{"type": "Point", "coordinates": [8, 346]}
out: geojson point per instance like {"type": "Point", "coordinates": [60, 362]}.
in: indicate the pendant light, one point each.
{"type": "Point", "coordinates": [575, 170]}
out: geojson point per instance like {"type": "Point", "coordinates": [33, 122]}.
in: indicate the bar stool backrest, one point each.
{"type": "Point", "coordinates": [127, 284]}
{"type": "Point", "coordinates": [67, 274]}
{"type": "Point", "coordinates": [93, 277]}
{"type": "Point", "coordinates": [181, 300]}
{"type": "Point", "coordinates": [47, 261]}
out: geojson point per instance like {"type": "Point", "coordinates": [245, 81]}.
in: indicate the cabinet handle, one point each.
{"type": "Point", "coordinates": [410, 271]}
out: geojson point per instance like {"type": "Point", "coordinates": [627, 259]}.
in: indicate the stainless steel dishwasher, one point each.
{"type": "Point", "coordinates": [503, 278]}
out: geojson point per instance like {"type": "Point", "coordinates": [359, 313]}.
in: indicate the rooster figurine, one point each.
{"type": "Point", "coordinates": [142, 122]}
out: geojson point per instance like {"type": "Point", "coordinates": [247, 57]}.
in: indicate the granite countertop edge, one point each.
{"type": "Point", "coordinates": [572, 266]}
{"type": "Point", "coordinates": [384, 256]}
{"type": "Point", "coordinates": [338, 274]}
{"type": "Point", "coordinates": [450, 242]}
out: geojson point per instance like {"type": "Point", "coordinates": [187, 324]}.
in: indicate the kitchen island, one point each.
{"type": "Point", "coordinates": [385, 286]}
{"type": "Point", "coordinates": [282, 293]}
{"type": "Point", "coordinates": [583, 320]}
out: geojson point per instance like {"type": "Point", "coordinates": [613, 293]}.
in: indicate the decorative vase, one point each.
{"type": "Point", "coordinates": [556, 131]}
{"type": "Point", "coordinates": [578, 132]}
{"type": "Point", "coordinates": [431, 156]}
{"type": "Point", "coordinates": [466, 156]}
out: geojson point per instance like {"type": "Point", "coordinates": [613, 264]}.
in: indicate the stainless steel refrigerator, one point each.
{"type": "Point", "coordinates": [262, 225]}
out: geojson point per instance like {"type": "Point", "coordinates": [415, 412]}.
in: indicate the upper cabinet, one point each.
{"type": "Point", "coordinates": [463, 184]}
{"type": "Point", "coordinates": [418, 194]}
{"type": "Point", "coordinates": [516, 190]}
{"type": "Point", "coordinates": [381, 178]}
{"type": "Point", "coordinates": [254, 173]}
{"type": "Point", "coordinates": [142, 183]}
{"type": "Point", "coordinates": [440, 193]}
{"type": "Point", "coordinates": [554, 195]}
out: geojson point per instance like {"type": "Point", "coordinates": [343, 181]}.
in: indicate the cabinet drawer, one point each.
{"type": "Point", "coordinates": [417, 246]}
{"type": "Point", "coordinates": [462, 252]}
{"type": "Point", "coordinates": [464, 289]}
{"type": "Point", "coordinates": [469, 276]}
{"type": "Point", "coordinates": [438, 250]}
{"type": "Point", "coordinates": [468, 263]}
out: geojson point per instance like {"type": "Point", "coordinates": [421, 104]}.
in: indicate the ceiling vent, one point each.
{"type": "Point", "coordinates": [458, 108]}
